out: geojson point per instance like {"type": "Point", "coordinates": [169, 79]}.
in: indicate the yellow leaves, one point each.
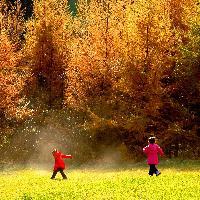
{"type": "Point", "coordinates": [122, 44]}
{"type": "Point", "coordinates": [121, 36]}
{"type": "Point", "coordinates": [10, 83]}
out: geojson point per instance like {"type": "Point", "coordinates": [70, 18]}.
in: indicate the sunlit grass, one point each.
{"type": "Point", "coordinates": [177, 182]}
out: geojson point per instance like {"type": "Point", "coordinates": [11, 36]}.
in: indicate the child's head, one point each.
{"type": "Point", "coordinates": [55, 150]}
{"type": "Point", "coordinates": [152, 140]}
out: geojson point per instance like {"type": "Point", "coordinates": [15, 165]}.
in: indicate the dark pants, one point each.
{"type": "Point", "coordinates": [153, 170]}
{"type": "Point", "coordinates": [58, 170]}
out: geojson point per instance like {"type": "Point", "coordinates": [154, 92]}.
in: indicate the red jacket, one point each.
{"type": "Point", "coordinates": [152, 151]}
{"type": "Point", "coordinates": [59, 162]}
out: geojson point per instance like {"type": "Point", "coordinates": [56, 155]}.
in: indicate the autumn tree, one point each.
{"type": "Point", "coordinates": [13, 20]}
{"type": "Point", "coordinates": [109, 74]}
{"type": "Point", "coordinates": [184, 92]}
{"type": "Point", "coordinates": [122, 73]}
{"type": "Point", "coordinates": [46, 52]}
{"type": "Point", "coordinates": [12, 77]}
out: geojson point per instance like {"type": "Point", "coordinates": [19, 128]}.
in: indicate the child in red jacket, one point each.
{"type": "Point", "coordinates": [152, 151]}
{"type": "Point", "coordinates": [59, 165]}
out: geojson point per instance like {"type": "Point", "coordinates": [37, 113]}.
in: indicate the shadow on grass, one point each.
{"type": "Point", "coordinates": [58, 179]}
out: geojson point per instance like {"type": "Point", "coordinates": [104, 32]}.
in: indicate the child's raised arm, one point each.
{"type": "Point", "coordinates": [145, 149]}
{"type": "Point", "coordinates": [66, 156]}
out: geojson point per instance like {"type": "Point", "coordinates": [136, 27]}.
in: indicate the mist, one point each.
{"type": "Point", "coordinates": [32, 143]}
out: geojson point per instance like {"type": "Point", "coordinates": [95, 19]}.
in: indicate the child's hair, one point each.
{"type": "Point", "coordinates": [152, 140]}
{"type": "Point", "coordinates": [54, 150]}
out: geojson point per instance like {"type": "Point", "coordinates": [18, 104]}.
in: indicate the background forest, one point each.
{"type": "Point", "coordinates": [97, 78]}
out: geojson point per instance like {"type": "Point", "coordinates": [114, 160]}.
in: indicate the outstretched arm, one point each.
{"type": "Point", "coordinates": [145, 149]}
{"type": "Point", "coordinates": [66, 156]}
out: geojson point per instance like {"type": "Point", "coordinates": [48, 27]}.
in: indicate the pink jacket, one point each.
{"type": "Point", "coordinates": [59, 162]}
{"type": "Point", "coordinates": [152, 151]}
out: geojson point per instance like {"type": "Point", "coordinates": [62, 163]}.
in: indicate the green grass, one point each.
{"type": "Point", "coordinates": [179, 180]}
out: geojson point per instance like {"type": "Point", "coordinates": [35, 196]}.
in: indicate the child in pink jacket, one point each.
{"type": "Point", "coordinates": [152, 151]}
{"type": "Point", "coordinates": [59, 165]}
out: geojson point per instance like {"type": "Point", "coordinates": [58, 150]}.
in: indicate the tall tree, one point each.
{"type": "Point", "coordinates": [46, 51]}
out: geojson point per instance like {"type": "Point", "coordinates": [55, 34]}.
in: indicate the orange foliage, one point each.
{"type": "Point", "coordinates": [120, 52]}
{"type": "Point", "coordinates": [12, 75]}
{"type": "Point", "coordinates": [111, 53]}
{"type": "Point", "coordinates": [12, 21]}
{"type": "Point", "coordinates": [10, 83]}
{"type": "Point", "coordinates": [115, 61]}
{"type": "Point", "coordinates": [46, 51]}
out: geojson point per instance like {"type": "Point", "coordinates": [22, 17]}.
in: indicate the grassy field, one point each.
{"type": "Point", "coordinates": [179, 180]}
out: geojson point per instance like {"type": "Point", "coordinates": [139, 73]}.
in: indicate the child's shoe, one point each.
{"type": "Point", "coordinates": [158, 173]}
